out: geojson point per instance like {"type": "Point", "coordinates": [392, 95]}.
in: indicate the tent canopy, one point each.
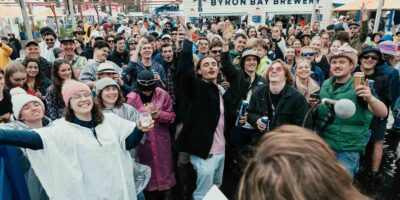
{"type": "Point", "coordinates": [8, 11]}
{"type": "Point", "coordinates": [92, 12]}
{"type": "Point", "coordinates": [47, 13]}
{"type": "Point", "coordinates": [370, 5]}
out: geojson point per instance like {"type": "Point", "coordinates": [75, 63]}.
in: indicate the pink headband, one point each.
{"type": "Point", "coordinates": [71, 87]}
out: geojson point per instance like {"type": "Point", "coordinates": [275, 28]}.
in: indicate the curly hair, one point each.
{"type": "Point", "coordinates": [294, 163]}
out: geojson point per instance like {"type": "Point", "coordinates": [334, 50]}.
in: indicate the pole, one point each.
{"type": "Point", "coordinates": [71, 11]}
{"type": "Point", "coordinates": [53, 9]}
{"type": "Point", "coordinates": [28, 28]}
{"type": "Point", "coordinates": [378, 16]}
{"type": "Point", "coordinates": [314, 13]}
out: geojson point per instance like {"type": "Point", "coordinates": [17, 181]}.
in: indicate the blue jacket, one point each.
{"type": "Point", "coordinates": [12, 181]}
{"type": "Point", "coordinates": [394, 80]}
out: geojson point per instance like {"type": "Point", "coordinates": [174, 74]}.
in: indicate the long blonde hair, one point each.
{"type": "Point", "coordinates": [294, 163]}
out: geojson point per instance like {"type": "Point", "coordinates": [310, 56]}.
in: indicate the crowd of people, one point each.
{"type": "Point", "coordinates": [225, 100]}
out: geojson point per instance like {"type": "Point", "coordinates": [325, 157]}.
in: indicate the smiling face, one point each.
{"type": "Point", "coordinates": [110, 95]}
{"type": "Point", "coordinates": [65, 72]}
{"type": "Point", "coordinates": [316, 44]}
{"type": "Point", "coordinates": [31, 112]}
{"type": "Point", "coordinates": [369, 60]}
{"type": "Point", "coordinates": [120, 46]}
{"type": "Point", "coordinates": [32, 69]}
{"type": "Point", "coordinates": [250, 64]}
{"type": "Point", "coordinates": [69, 48]}
{"type": "Point", "coordinates": [101, 55]}
{"type": "Point", "coordinates": [146, 51]}
{"type": "Point", "coordinates": [341, 67]}
{"type": "Point", "coordinates": [208, 69]}
{"type": "Point", "coordinates": [276, 73]}
{"type": "Point", "coordinates": [50, 40]}
{"type": "Point", "coordinates": [32, 51]}
{"type": "Point", "coordinates": [81, 102]}
{"type": "Point", "coordinates": [252, 32]}
{"type": "Point", "coordinates": [290, 53]}
{"type": "Point", "coordinates": [303, 70]}
{"type": "Point", "coordinates": [240, 43]}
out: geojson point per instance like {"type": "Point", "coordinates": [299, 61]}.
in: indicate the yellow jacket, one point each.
{"type": "Point", "coordinates": [5, 53]}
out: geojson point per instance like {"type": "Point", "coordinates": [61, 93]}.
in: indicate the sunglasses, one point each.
{"type": "Point", "coordinates": [146, 82]}
{"type": "Point", "coordinates": [216, 51]}
{"type": "Point", "coordinates": [174, 33]}
{"type": "Point", "coordinates": [373, 57]}
{"type": "Point", "coordinates": [307, 54]}
{"type": "Point", "coordinates": [133, 43]}
{"type": "Point", "coordinates": [110, 40]}
{"type": "Point", "coordinates": [79, 96]}
{"type": "Point", "coordinates": [278, 69]}
{"type": "Point", "coordinates": [49, 40]}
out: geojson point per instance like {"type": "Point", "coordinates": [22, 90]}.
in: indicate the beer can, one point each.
{"type": "Point", "coordinates": [359, 79]}
{"type": "Point", "coordinates": [265, 120]}
{"type": "Point", "coordinates": [243, 107]}
{"type": "Point", "coordinates": [371, 85]}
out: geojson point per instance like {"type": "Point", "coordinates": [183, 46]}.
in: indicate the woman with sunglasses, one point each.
{"type": "Point", "coordinates": [36, 84]}
{"type": "Point", "coordinates": [87, 149]}
{"type": "Point", "coordinates": [303, 82]}
{"type": "Point", "coordinates": [156, 150]}
{"type": "Point", "coordinates": [15, 75]}
{"type": "Point", "coordinates": [278, 101]}
{"type": "Point", "coordinates": [62, 71]}
{"type": "Point", "coordinates": [369, 59]}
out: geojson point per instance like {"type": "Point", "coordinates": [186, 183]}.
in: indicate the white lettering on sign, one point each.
{"type": "Point", "coordinates": [259, 2]}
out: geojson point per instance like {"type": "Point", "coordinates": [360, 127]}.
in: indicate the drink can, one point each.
{"type": "Point", "coordinates": [359, 79]}
{"type": "Point", "coordinates": [371, 85]}
{"type": "Point", "coordinates": [243, 107]}
{"type": "Point", "coordinates": [265, 120]}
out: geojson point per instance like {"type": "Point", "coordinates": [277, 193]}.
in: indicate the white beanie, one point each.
{"type": "Point", "coordinates": [20, 98]}
{"type": "Point", "coordinates": [103, 83]}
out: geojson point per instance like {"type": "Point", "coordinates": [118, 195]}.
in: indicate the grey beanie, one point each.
{"type": "Point", "coordinates": [105, 82]}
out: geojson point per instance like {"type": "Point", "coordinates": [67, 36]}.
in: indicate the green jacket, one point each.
{"type": "Point", "coordinates": [344, 134]}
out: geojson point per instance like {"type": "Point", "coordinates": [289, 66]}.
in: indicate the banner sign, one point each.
{"type": "Point", "coordinates": [260, 2]}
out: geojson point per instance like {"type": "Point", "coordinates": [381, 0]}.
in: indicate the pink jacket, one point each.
{"type": "Point", "coordinates": [156, 151]}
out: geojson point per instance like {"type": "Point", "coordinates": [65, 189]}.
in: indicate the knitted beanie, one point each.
{"type": "Point", "coordinates": [70, 87]}
{"type": "Point", "coordinates": [103, 83]}
{"type": "Point", "coordinates": [20, 98]}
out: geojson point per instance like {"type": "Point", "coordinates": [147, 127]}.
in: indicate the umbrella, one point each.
{"type": "Point", "coordinates": [369, 4]}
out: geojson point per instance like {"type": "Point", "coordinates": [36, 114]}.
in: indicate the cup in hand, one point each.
{"type": "Point", "coordinates": [145, 119]}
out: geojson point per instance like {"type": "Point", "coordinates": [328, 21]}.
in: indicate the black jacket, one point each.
{"type": "Point", "coordinates": [119, 58]}
{"type": "Point", "coordinates": [291, 108]}
{"type": "Point", "coordinates": [88, 52]}
{"type": "Point", "coordinates": [382, 86]}
{"type": "Point", "coordinates": [45, 67]}
{"type": "Point", "coordinates": [240, 83]}
{"type": "Point", "coordinates": [203, 114]}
